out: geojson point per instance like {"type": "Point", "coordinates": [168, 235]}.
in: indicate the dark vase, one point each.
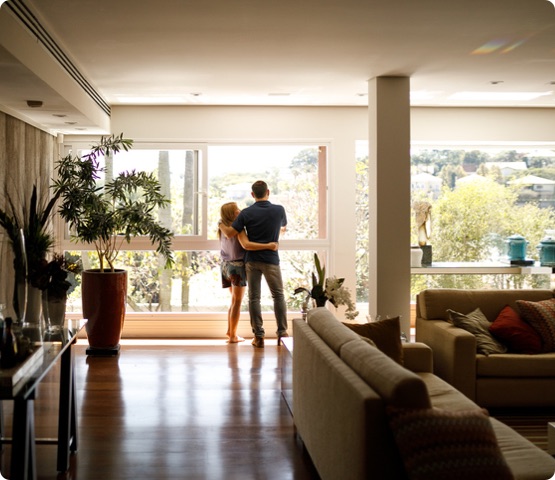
{"type": "Point", "coordinates": [320, 301]}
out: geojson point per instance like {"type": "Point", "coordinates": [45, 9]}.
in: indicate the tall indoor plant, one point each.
{"type": "Point", "coordinates": [106, 217]}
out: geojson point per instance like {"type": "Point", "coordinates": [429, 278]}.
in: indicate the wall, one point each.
{"type": "Point", "coordinates": [26, 158]}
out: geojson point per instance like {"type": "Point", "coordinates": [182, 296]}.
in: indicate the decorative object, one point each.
{"type": "Point", "coordinates": [57, 279]}
{"type": "Point", "coordinates": [432, 440]}
{"type": "Point", "coordinates": [106, 217]}
{"type": "Point", "coordinates": [519, 336]}
{"type": "Point", "coordinates": [423, 218]}
{"type": "Point", "coordinates": [30, 221]}
{"type": "Point", "coordinates": [476, 323]}
{"type": "Point", "coordinates": [516, 247]}
{"type": "Point", "coordinates": [416, 256]}
{"type": "Point", "coordinates": [541, 315]}
{"type": "Point", "coordinates": [332, 289]}
{"type": "Point", "coordinates": [547, 249]}
{"type": "Point", "coordinates": [386, 334]}
{"type": "Point", "coordinates": [426, 255]}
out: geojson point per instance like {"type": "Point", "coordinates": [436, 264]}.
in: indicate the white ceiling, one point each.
{"type": "Point", "coordinates": [287, 52]}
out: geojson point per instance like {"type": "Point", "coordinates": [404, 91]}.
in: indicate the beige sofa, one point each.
{"type": "Point", "coordinates": [341, 386]}
{"type": "Point", "coordinates": [499, 380]}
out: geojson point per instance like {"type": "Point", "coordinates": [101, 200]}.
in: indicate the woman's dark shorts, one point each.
{"type": "Point", "coordinates": [233, 273]}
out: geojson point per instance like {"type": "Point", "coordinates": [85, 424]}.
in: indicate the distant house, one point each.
{"type": "Point", "coordinates": [427, 183]}
{"type": "Point", "coordinates": [473, 177]}
{"type": "Point", "coordinates": [507, 168]}
{"type": "Point", "coordinates": [533, 188]}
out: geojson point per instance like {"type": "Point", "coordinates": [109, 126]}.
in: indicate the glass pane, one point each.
{"type": "Point", "coordinates": [178, 172]}
{"type": "Point", "coordinates": [292, 172]}
{"type": "Point", "coordinates": [194, 285]}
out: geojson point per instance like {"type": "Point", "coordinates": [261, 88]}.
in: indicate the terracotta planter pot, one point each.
{"type": "Point", "coordinates": [104, 297]}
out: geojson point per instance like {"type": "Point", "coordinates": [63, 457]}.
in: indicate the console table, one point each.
{"type": "Point", "coordinates": [56, 346]}
{"type": "Point", "coordinates": [480, 268]}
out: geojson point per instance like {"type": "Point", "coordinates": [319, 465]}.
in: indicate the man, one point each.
{"type": "Point", "coordinates": [263, 221]}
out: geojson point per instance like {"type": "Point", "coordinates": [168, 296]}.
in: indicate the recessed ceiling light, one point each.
{"type": "Point", "coordinates": [498, 96]}
{"type": "Point", "coordinates": [34, 103]}
{"type": "Point", "coordinates": [59, 115]}
{"type": "Point", "coordinates": [70, 123]}
{"type": "Point", "coordinates": [496, 82]}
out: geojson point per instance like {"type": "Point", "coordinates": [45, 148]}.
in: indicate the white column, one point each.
{"type": "Point", "coordinates": [389, 209]}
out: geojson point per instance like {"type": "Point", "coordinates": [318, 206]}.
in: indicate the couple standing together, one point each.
{"type": "Point", "coordinates": [249, 243]}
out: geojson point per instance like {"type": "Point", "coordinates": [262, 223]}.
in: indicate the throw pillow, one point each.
{"type": "Point", "coordinates": [437, 444]}
{"type": "Point", "coordinates": [514, 332]}
{"type": "Point", "coordinates": [386, 334]}
{"type": "Point", "coordinates": [541, 316]}
{"type": "Point", "coordinates": [477, 324]}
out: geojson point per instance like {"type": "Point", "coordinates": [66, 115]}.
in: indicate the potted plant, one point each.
{"type": "Point", "coordinates": [57, 279]}
{"type": "Point", "coordinates": [27, 226]}
{"type": "Point", "coordinates": [106, 217]}
{"type": "Point", "coordinates": [324, 289]}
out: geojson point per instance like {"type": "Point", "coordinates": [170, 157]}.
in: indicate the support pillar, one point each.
{"type": "Point", "coordinates": [389, 204]}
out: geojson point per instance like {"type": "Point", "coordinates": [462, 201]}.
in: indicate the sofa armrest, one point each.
{"type": "Point", "coordinates": [417, 357]}
{"type": "Point", "coordinates": [454, 353]}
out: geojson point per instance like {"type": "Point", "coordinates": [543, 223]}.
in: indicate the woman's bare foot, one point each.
{"type": "Point", "coordinates": [236, 339]}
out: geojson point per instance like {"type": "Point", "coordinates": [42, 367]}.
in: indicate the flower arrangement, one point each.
{"type": "Point", "coordinates": [328, 289]}
{"type": "Point", "coordinates": [57, 276]}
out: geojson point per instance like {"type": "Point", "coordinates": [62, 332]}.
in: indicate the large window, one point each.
{"type": "Point", "coordinates": [199, 179]}
{"type": "Point", "coordinates": [480, 196]}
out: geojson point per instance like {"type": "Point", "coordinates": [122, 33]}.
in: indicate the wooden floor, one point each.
{"type": "Point", "coordinates": [210, 411]}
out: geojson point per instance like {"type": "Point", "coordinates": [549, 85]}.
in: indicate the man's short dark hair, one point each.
{"type": "Point", "coordinates": [259, 188]}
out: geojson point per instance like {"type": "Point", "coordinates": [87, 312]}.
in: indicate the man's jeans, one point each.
{"type": "Point", "coordinates": [272, 274]}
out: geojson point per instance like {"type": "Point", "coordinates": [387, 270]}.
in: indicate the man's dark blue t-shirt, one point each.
{"type": "Point", "coordinates": [263, 221]}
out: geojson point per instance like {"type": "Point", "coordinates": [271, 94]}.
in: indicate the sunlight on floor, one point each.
{"type": "Point", "coordinates": [179, 341]}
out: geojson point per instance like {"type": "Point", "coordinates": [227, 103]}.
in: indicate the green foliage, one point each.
{"type": "Point", "coordinates": [106, 217]}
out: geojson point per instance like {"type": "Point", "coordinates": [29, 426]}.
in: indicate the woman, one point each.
{"type": "Point", "coordinates": [234, 276]}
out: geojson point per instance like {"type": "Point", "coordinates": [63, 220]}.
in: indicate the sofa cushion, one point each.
{"type": "Point", "coordinates": [541, 315]}
{"type": "Point", "coordinates": [438, 444]}
{"type": "Point", "coordinates": [476, 323]}
{"type": "Point", "coordinates": [516, 365]}
{"type": "Point", "coordinates": [443, 395]}
{"type": "Point", "coordinates": [396, 385]}
{"type": "Point", "coordinates": [329, 329]}
{"type": "Point", "coordinates": [515, 333]}
{"type": "Point", "coordinates": [386, 334]}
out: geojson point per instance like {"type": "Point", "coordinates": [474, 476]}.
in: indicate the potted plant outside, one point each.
{"type": "Point", "coordinates": [107, 217]}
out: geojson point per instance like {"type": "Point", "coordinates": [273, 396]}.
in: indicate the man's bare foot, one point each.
{"type": "Point", "coordinates": [236, 339]}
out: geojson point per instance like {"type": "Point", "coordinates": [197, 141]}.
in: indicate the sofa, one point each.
{"type": "Point", "coordinates": [349, 397]}
{"type": "Point", "coordinates": [510, 379]}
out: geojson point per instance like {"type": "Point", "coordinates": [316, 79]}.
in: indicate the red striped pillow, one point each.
{"type": "Point", "coordinates": [541, 315]}
{"type": "Point", "coordinates": [437, 444]}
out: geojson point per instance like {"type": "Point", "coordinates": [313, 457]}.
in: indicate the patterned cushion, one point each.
{"type": "Point", "coordinates": [514, 332]}
{"type": "Point", "coordinates": [541, 315]}
{"type": "Point", "coordinates": [477, 324]}
{"type": "Point", "coordinates": [437, 444]}
{"type": "Point", "coordinates": [386, 334]}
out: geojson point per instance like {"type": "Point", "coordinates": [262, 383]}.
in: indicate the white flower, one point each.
{"type": "Point", "coordinates": [338, 294]}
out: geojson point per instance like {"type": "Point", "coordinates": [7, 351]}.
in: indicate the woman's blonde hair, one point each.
{"type": "Point", "coordinates": [227, 214]}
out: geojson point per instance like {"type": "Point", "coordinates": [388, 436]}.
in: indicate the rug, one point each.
{"type": "Point", "coordinates": [530, 423]}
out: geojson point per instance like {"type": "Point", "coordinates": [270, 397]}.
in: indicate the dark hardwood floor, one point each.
{"type": "Point", "coordinates": [190, 411]}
